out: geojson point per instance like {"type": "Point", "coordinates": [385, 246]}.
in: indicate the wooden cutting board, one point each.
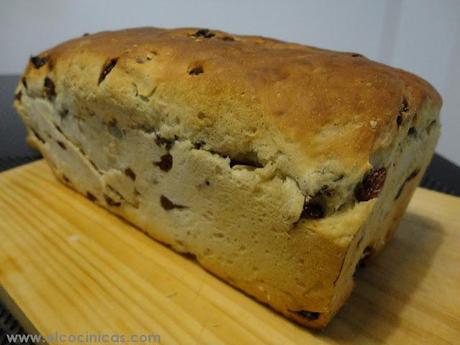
{"type": "Point", "coordinates": [70, 267]}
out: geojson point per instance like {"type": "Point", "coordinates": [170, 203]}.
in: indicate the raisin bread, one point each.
{"type": "Point", "coordinates": [279, 166]}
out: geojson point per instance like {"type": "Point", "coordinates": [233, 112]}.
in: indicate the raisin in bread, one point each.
{"type": "Point", "coordinates": [279, 166]}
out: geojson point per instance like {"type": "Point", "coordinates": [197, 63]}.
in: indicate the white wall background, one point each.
{"type": "Point", "coordinates": [422, 36]}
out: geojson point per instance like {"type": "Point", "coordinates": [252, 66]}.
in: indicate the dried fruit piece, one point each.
{"type": "Point", "coordinates": [38, 61]}
{"type": "Point", "coordinates": [204, 33]}
{"type": "Point", "coordinates": [166, 162]}
{"type": "Point", "coordinates": [412, 132]}
{"type": "Point", "coordinates": [196, 70]}
{"type": "Point", "coordinates": [108, 66]}
{"type": "Point", "coordinates": [316, 206]}
{"type": "Point", "coordinates": [310, 315]}
{"type": "Point", "coordinates": [111, 202]}
{"type": "Point", "coordinates": [91, 196]}
{"type": "Point", "coordinates": [312, 210]}
{"type": "Point", "coordinates": [168, 204]}
{"type": "Point", "coordinates": [130, 173]}
{"type": "Point", "coordinates": [371, 185]}
{"type": "Point", "coordinates": [49, 88]}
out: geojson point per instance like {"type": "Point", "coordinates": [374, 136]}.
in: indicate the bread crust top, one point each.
{"type": "Point", "coordinates": [298, 107]}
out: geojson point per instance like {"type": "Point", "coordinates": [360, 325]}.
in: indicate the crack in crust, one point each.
{"type": "Point", "coordinates": [316, 206]}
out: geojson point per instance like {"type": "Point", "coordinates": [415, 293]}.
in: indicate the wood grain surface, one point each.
{"type": "Point", "coordinates": [71, 267]}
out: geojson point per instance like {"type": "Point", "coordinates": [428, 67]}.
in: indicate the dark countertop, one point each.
{"type": "Point", "coordinates": [13, 148]}
{"type": "Point", "coordinates": [441, 175]}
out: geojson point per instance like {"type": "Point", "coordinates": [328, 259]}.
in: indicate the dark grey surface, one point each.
{"type": "Point", "coordinates": [13, 148]}
{"type": "Point", "coordinates": [441, 175]}
{"type": "Point", "coordinates": [9, 325]}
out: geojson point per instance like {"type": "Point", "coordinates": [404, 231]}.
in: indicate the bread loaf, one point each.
{"type": "Point", "coordinates": [277, 165]}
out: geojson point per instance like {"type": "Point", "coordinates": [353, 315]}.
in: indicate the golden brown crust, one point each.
{"type": "Point", "coordinates": [299, 90]}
